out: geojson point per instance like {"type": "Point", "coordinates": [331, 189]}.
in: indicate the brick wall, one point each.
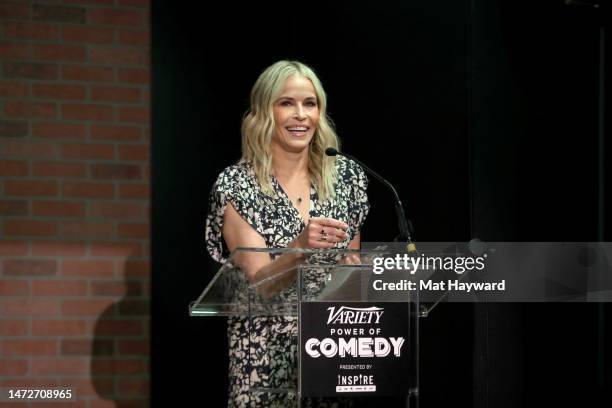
{"type": "Point", "coordinates": [74, 198]}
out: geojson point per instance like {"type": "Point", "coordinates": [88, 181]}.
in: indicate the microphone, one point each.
{"type": "Point", "coordinates": [405, 226]}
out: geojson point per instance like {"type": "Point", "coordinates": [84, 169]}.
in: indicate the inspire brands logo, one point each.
{"type": "Point", "coordinates": [354, 315]}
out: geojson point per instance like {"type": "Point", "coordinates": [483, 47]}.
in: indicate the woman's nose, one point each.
{"type": "Point", "coordinates": [299, 112]}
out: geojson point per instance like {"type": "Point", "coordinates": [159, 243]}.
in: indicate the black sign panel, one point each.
{"type": "Point", "coordinates": [354, 348]}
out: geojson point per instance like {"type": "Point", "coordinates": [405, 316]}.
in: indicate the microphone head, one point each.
{"type": "Point", "coordinates": [330, 151]}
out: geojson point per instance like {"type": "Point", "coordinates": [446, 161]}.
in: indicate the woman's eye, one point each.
{"type": "Point", "coordinates": [285, 103]}
{"type": "Point", "coordinates": [312, 104]}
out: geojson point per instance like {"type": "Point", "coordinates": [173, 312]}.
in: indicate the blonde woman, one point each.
{"type": "Point", "coordinates": [284, 192]}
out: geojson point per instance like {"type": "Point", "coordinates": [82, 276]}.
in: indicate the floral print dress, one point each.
{"type": "Point", "coordinates": [260, 345]}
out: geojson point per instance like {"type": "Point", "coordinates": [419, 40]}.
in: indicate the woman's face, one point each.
{"type": "Point", "coordinates": [296, 115]}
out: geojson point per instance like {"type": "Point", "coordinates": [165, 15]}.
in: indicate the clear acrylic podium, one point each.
{"type": "Point", "coordinates": [335, 276]}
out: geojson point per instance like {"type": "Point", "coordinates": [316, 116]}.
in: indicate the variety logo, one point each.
{"type": "Point", "coordinates": [355, 315]}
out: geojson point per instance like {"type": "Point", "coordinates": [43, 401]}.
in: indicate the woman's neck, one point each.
{"type": "Point", "coordinates": [287, 166]}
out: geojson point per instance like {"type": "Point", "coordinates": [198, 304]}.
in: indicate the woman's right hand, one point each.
{"type": "Point", "coordinates": [322, 233]}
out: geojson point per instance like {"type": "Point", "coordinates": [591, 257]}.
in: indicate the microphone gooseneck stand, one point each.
{"type": "Point", "coordinates": [404, 224]}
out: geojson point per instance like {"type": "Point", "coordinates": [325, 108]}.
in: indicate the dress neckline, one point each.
{"type": "Point", "coordinates": [283, 195]}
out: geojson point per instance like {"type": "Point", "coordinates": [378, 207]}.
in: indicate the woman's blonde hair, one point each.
{"type": "Point", "coordinates": [258, 127]}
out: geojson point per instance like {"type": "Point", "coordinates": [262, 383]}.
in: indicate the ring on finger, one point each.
{"type": "Point", "coordinates": [323, 235]}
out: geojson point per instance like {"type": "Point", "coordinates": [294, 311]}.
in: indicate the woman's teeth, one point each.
{"type": "Point", "coordinates": [298, 131]}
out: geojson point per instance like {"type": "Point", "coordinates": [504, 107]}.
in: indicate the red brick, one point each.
{"type": "Point", "coordinates": [30, 267]}
{"type": "Point", "coordinates": [132, 402]}
{"type": "Point", "coordinates": [131, 387]}
{"type": "Point", "coordinates": [146, 290]}
{"type": "Point", "coordinates": [29, 188]}
{"type": "Point", "coordinates": [14, 288]}
{"type": "Point", "coordinates": [115, 288]}
{"type": "Point", "coordinates": [133, 114]}
{"type": "Point", "coordinates": [115, 249]}
{"type": "Point", "coordinates": [99, 151]}
{"type": "Point", "coordinates": [134, 37]}
{"type": "Point", "coordinates": [76, 347]}
{"type": "Point", "coordinates": [115, 133]}
{"type": "Point", "coordinates": [87, 112]}
{"type": "Point", "coordinates": [21, 109]}
{"type": "Point", "coordinates": [88, 190]}
{"type": "Point", "coordinates": [60, 14]}
{"type": "Point", "coordinates": [13, 168]}
{"type": "Point", "coordinates": [134, 153]}
{"type": "Point", "coordinates": [30, 228]}
{"type": "Point", "coordinates": [115, 94]}
{"type": "Point", "coordinates": [88, 268]}
{"type": "Point", "coordinates": [13, 248]}
{"type": "Point", "coordinates": [134, 269]}
{"type": "Point", "coordinates": [59, 366]}
{"type": "Point", "coordinates": [102, 366]}
{"type": "Point", "coordinates": [66, 209]}
{"type": "Point", "coordinates": [58, 169]}
{"type": "Point", "coordinates": [29, 149]}
{"type": "Point", "coordinates": [135, 3]}
{"type": "Point", "coordinates": [106, 2]}
{"type": "Point", "coordinates": [134, 191]}
{"type": "Point", "coordinates": [86, 308]}
{"type": "Point", "coordinates": [16, 51]}
{"type": "Point", "coordinates": [146, 172]}
{"type": "Point", "coordinates": [28, 347]}
{"type": "Point", "coordinates": [30, 70]}
{"type": "Point", "coordinates": [30, 383]}
{"type": "Point", "coordinates": [58, 91]}
{"type": "Point", "coordinates": [31, 31]}
{"type": "Point", "coordinates": [13, 327]}
{"type": "Point", "coordinates": [133, 347]}
{"type": "Point", "coordinates": [117, 56]}
{"type": "Point", "coordinates": [58, 288]}
{"type": "Point", "coordinates": [116, 171]}
{"type": "Point", "coordinates": [88, 35]}
{"type": "Point", "coordinates": [117, 327]}
{"type": "Point", "coordinates": [27, 308]}
{"type": "Point", "coordinates": [115, 210]}
{"type": "Point", "coordinates": [13, 88]}
{"type": "Point", "coordinates": [134, 75]}
{"type": "Point", "coordinates": [134, 307]}
{"type": "Point", "coordinates": [10, 367]}
{"type": "Point", "coordinates": [67, 404]}
{"type": "Point", "coordinates": [133, 230]}
{"type": "Point", "coordinates": [78, 229]}
{"type": "Point", "coordinates": [13, 128]}
{"type": "Point", "coordinates": [59, 130]}
{"type": "Point", "coordinates": [85, 388]}
{"type": "Point", "coordinates": [87, 347]}
{"type": "Point", "coordinates": [87, 73]}
{"type": "Point", "coordinates": [58, 327]}
{"type": "Point", "coordinates": [58, 248]}
{"type": "Point", "coordinates": [14, 10]}
{"type": "Point", "coordinates": [116, 17]}
{"type": "Point", "coordinates": [58, 52]}
{"type": "Point", "coordinates": [13, 208]}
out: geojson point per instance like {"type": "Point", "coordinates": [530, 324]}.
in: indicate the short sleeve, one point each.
{"type": "Point", "coordinates": [222, 192]}
{"type": "Point", "coordinates": [360, 204]}
{"type": "Point", "coordinates": [237, 185]}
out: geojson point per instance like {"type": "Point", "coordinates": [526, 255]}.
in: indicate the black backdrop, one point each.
{"type": "Point", "coordinates": [483, 113]}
